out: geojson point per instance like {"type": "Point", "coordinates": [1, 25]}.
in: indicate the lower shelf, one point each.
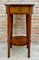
{"type": "Point", "coordinates": [19, 40]}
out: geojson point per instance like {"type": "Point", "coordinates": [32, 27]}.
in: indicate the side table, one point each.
{"type": "Point", "coordinates": [19, 40]}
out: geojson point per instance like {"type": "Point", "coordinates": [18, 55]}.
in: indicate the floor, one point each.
{"type": "Point", "coordinates": [19, 52]}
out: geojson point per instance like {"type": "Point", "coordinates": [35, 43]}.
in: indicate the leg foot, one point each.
{"type": "Point", "coordinates": [28, 52]}
{"type": "Point", "coordinates": [8, 50]}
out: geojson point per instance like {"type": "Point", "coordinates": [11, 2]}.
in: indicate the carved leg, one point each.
{"type": "Point", "coordinates": [11, 28]}
{"type": "Point", "coordinates": [28, 32]}
{"type": "Point", "coordinates": [9, 33]}
{"type": "Point", "coordinates": [27, 29]}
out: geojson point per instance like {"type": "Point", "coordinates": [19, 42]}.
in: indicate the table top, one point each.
{"type": "Point", "coordinates": [20, 3]}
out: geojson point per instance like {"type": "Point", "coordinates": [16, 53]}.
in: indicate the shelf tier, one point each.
{"type": "Point", "coordinates": [19, 40]}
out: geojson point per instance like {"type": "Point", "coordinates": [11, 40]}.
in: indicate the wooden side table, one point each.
{"type": "Point", "coordinates": [19, 40]}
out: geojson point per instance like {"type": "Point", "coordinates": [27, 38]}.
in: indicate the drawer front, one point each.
{"type": "Point", "coordinates": [14, 10]}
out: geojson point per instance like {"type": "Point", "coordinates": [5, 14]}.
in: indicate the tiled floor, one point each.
{"type": "Point", "coordinates": [19, 52]}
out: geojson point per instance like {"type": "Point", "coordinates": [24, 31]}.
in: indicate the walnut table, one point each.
{"type": "Point", "coordinates": [19, 40]}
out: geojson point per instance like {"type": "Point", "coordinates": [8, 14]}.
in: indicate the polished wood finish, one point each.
{"type": "Point", "coordinates": [19, 40]}
{"type": "Point", "coordinates": [28, 32]}
{"type": "Point", "coordinates": [19, 10]}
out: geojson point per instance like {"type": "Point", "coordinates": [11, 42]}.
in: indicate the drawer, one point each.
{"type": "Point", "coordinates": [17, 10]}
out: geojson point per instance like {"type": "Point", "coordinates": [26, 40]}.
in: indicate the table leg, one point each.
{"type": "Point", "coordinates": [27, 28]}
{"type": "Point", "coordinates": [9, 33]}
{"type": "Point", "coordinates": [28, 32]}
{"type": "Point", "coordinates": [11, 28]}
